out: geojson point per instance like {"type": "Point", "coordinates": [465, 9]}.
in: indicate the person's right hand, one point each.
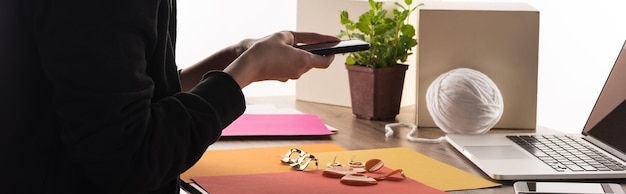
{"type": "Point", "coordinates": [274, 58]}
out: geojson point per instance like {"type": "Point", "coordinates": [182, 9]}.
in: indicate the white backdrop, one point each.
{"type": "Point", "coordinates": [208, 25]}
{"type": "Point", "coordinates": [579, 42]}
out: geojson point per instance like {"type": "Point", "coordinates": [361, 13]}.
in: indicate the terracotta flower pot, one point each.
{"type": "Point", "coordinates": [376, 92]}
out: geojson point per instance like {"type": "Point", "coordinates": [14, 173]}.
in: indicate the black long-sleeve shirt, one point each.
{"type": "Point", "coordinates": [90, 99]}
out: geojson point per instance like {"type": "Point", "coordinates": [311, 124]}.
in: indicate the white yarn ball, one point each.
{"type": "Point", "coordinates": [464, 101]}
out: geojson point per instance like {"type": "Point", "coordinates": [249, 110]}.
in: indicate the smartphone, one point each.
{"type": "Point", "coordinates": [523, 187]}
{"type": "Point", "coordinates": [337, 47]}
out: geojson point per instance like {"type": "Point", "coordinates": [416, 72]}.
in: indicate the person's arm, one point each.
{"type": "Point", "coordinates": [121, 133]}
{"type": "Point", "coordinates": [192, 75]}
{"type": "Point", "coordinates": [271, 58]}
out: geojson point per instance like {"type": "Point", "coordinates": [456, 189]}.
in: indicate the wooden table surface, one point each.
{"type": "Point", "coordinates": [365, 134]}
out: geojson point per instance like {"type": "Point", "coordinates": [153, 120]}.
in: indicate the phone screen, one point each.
{"type": "Point", "coordinates": [343, 46]}
{"type": "Point", "coordinates": [324, 45]}
{"type": "Point", "coordinates": [549, 187]}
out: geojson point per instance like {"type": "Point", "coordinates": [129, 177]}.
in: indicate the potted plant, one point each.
{"type": "Point", "coordinates": [376, 76]}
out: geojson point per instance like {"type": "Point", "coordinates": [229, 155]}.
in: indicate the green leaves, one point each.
{"type": "Point", "coordinates": [376, 5]}
{"type": "Point", "coordinates": [391, 38]}
{"type": "Point", "coordinates": [345, 18]}
{"type": "Point", "coordinates": [407, 30]}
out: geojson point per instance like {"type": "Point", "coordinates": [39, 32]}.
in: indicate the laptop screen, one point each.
{"type": "Point", "coordinates": [607, 121]}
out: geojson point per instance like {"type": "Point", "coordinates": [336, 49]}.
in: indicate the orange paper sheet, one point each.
{"type": "Point", "coordinates": [267, 160]}
{"type": "Point", "coordinates": [249, 161]}
{"type": "Point", "coordinates": [305, 182]}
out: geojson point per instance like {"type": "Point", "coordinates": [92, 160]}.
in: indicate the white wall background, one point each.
{"type": "Point", "coordinates": [579, 42]}
{"type": "Point", "coordinates": [209, 25]}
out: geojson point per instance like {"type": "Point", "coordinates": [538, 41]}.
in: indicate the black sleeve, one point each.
{"type": "Point", "coordinates": [114, 133]}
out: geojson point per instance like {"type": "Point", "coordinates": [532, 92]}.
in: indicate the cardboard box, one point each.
{"type": "Point", "coordinates": [498, 39]}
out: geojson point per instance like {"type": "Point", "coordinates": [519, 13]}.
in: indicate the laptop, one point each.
{"type": "Point", "coordinates": [599, 152]}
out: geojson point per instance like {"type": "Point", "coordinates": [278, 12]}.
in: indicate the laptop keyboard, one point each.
{"type": "Point", "coordinates": [564, 153]}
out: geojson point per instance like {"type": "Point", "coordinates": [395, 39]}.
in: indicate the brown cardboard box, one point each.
{"type": "Point", "coordinates": [498, 39]}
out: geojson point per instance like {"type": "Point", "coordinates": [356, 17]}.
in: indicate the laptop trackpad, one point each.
{"type": "Point", "coordinates": [495, 152]}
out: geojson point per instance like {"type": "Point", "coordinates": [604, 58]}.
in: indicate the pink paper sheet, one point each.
{"type": "Point", "coordinates": [277, 125]}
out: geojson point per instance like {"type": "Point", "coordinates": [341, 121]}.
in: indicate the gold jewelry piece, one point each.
{"type": "Point", "coordinates": [287, 158]}
{"type": "Point", "coordinates": [299, 162]}
{"type": "Point", "coordinates": [334, 163]}
{"type": "Point", "coordinates": [298, 165]}
{"type": "Point", "coordinates": [355, 164]}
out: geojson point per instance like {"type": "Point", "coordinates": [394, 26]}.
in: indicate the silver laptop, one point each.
{"type": "Point", "coordinates": [598, 152]}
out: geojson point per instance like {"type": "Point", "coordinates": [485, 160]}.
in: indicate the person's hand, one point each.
{"type": "Point", "coordinates": [274, 58]}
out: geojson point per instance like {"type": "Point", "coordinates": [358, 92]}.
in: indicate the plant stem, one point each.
{"type": "Point", "coordinates": [395, 45]}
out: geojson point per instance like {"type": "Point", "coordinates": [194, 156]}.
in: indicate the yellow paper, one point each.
{"type": "Point", "coordinates": [249, 161]}
{"type": "Point", "coordinates": [267, 160]}
{"type": "Point", "coordinates": [416, 166]}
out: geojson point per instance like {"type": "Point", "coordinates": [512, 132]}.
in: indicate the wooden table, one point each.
{"type": "Point", "coordinates": [365, 134]}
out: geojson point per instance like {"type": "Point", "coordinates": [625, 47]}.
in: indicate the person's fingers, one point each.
{"type": "Point", "coordinates": [287, 37]}
{"type": "Point", "coordinates": [311, 37]}
{"type": "Point", "coordinates": [311, 60]}
{"type": "Point", "coordinates": [274, 58]}
{"type": "Point", "coordinates": [319, 61]}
